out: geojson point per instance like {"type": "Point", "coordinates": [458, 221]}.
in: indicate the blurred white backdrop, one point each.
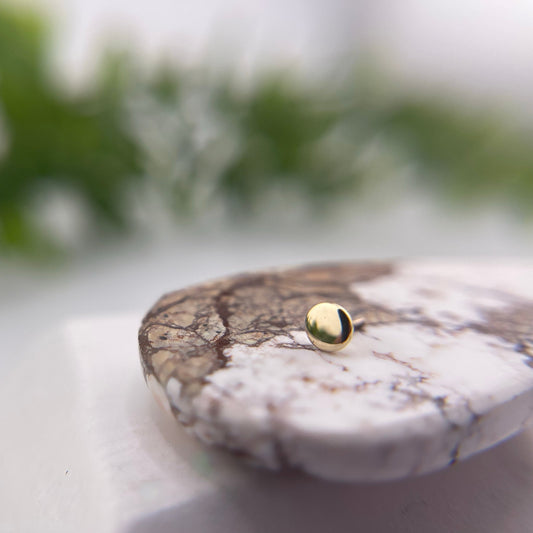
{"type": "Point", "coordinates": [472, 48]}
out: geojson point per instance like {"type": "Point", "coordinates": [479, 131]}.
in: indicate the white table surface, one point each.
{"type": "Point", "coordinates": [85, 448]}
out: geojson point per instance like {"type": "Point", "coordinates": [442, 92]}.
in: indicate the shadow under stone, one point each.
{"type": "Point", "coordinates": [490, 492]}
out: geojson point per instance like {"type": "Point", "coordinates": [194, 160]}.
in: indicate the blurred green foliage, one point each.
{"type": "Point", "coordinates": [198, 141]}
{"type": "Point", "coordinates": [74, 141]}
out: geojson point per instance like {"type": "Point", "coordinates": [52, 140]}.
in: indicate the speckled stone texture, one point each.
{"type": "Point", "coordinates": [442, 369]}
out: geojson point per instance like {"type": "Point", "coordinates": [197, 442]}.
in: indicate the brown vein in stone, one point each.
{"type": "Point", "coordinates": [249, 309]}
{"type": "Point", "coordinates": [513, 323]}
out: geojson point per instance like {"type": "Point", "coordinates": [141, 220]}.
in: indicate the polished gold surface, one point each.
{"type": "Point", "coordinates": [329, 326]}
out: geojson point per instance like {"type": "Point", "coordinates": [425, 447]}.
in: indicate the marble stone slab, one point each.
{"type": "Point", "coordinates": [442, 369]}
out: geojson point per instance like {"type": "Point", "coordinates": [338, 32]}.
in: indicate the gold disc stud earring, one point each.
{"type": "Point", "coordinates": [330, 327]}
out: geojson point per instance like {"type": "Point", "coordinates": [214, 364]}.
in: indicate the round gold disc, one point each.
{"type": "Point", "coordinates": [329, 326]}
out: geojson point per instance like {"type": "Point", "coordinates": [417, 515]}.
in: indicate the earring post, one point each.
{"type": "Point", "coordinates": [358, 322]}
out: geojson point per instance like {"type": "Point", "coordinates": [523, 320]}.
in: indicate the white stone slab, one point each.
{"type": "Point", "coordinates": [442, 370]}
